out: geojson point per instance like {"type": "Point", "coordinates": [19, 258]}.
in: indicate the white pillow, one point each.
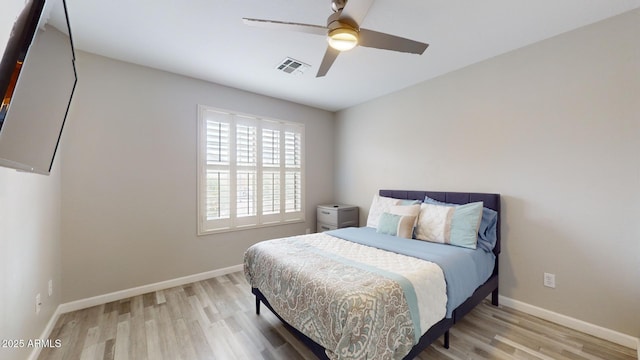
{"type": "Point", "coordinates": [379, 205]}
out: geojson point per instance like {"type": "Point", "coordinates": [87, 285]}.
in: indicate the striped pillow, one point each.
{"type": "Point", "coordinates": [396, 225]}
{"type": "Point", "coordinates": [455, 225]}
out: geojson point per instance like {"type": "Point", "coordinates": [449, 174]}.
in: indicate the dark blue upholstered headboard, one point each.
{"type": "Point", "coordinates": [491, 201]}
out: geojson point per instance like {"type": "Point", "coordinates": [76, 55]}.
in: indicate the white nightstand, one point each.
{"type": "Point", "coordinates": [334, 216]}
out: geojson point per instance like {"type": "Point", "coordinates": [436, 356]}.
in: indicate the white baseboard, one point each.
{"type": "Point", "coordinates": [127, 293]}
{"type": "Point", "coordinates": [45, 333]}
{"type": "Point", "coordinates": [575, 324]}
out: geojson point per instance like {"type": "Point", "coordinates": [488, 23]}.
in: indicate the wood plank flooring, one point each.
{"type": "Point", "coordinates": [215, 319]}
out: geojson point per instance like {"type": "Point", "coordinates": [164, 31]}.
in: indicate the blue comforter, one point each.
{"type": "Point", "coordinates": [464, 269]}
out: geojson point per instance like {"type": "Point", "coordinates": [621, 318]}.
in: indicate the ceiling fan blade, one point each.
{"type": "Point", "coordinates": [283, 25]}
{"type": "Point", "coordinates": [356, 10]}
{"type": "Point", "coordinates": [328, 59]}
{"type": "Point", "coordinates": [378, 40]}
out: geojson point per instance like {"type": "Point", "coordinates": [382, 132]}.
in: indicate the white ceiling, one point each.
{"type": "Point", "coordinates": [206, 39]}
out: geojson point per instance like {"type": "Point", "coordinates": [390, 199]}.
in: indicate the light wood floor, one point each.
{"type": "Point", "coordinates": [215, 319]}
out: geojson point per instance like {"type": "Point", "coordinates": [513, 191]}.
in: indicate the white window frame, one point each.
{"type": "Point", "coordinates": [289, 133]}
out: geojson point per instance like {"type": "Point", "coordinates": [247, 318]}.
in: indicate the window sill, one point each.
{"type": "Point", "coordinates": [248, 227]}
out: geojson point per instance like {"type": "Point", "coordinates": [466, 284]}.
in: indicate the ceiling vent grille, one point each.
{"type": "Point", "coordinates": [292, 66]}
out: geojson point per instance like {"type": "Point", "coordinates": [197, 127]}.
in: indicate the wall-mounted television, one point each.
{"type": "Point", "coordinates": [37, 81]}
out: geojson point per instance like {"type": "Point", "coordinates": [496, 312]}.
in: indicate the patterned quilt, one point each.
{"type": "Point", "coordinates": [357, 301]}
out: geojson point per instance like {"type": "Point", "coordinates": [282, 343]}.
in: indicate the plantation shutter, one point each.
{"type": "Point", "coordinates": [217, 194]}
{"type": "Point", "coordinates": [271, 171]}
{"type": "Point", "coordinates": [251, 171]}
{"type": "Point", "coordinates": [293, 171]}
{"type": "Point", "coordinates": [246, 149]}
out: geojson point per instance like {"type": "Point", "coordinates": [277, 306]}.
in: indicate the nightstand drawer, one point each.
{"type": "Point", "coordinates": [337, 215]}
{"type": "Point", "coordinates": [324, 227]}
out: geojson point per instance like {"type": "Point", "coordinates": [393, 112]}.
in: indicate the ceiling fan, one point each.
{"type": "Point", "coordinates": [343, 32]}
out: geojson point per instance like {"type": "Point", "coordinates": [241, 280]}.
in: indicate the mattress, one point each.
{"type": "Point", "coordinates": [464, 269]}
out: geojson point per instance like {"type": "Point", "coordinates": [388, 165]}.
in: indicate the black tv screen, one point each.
{"type": "Point", "coordinates": [37, 81]}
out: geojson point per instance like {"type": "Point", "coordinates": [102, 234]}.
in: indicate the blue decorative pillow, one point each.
{"type": "Point", "coordinates": [396, 225]}
{"type": "Point", "coordinates": [455, 225]}
{"type": "Point", "coordinates": [487, 232]}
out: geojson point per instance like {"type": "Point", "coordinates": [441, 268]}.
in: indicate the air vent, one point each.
{"type": "Point", "coordinates": [293, 66]}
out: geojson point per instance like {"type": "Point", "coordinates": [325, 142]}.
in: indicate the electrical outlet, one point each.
{"type": "Point", "coordinates": [38, 303]}
{"type": "Point", "coordinates": [549, 280]}
{"type": "Point", "coordinates": [50, 287]}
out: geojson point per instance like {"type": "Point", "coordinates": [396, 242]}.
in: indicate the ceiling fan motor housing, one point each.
{"type": "Point", "coordinates": [335, 22]}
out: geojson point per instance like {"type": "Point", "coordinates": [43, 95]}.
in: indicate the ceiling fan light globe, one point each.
{"type": "Point", "coordinates": [343, 39]}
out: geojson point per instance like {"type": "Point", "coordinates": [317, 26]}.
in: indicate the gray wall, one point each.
{"type": "Point", "coordinates": [29, 254]}
{"type": "Point", "coordinates": [553, 127]}
{"type": "Point", "coordinates": [129, 177]}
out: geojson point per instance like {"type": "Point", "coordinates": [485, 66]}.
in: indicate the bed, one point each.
{"type": "Point", "coordinates": [364, 293]}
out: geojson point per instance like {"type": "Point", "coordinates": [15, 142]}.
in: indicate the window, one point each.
{"type": "Point", "coordinates": [250, 171]}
